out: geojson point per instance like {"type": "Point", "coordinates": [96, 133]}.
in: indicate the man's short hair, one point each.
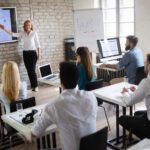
{"type": "Point", "coordinates": [132, 39]}
{"type": "Point", "coordinates": [69, 75]}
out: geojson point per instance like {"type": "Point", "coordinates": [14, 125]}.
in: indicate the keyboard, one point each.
{"type": "Point", "coordinates": [51, 77]}
{"type": "Point", "coordinates": [112, 62]}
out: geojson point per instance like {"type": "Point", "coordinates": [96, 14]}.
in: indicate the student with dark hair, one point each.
{"type": "Point", "coordinates": [68, 111]}
{"type": "Point", "coordinates": [85, 67]}
{"type": "Point", "coordinates": [131, 61]}
{"type": "Point", "coordinates": [139, 124]}
{"type": "Point", "coordinates": [69, 75]}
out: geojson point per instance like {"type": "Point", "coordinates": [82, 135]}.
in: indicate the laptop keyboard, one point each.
{"type": "Point", "coordinates": [53, 76]}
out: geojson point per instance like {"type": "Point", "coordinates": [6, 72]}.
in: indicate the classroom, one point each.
{"type": "Point", "coordinates": [74, 75]}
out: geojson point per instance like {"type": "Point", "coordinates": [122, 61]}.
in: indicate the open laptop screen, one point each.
{"type": "Point", "coordinates": [45, 70]}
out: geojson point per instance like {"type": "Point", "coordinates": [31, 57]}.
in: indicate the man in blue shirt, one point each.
{"type": "Point", "coordinates": [132, 60]}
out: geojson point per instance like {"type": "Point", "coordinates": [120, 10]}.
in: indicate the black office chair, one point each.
{"type": "Point", "coordinates": [27, 103]}
{"type": "Point", "coordinates": [96, 85]}
{"type": "Point", "coordinates": [1, 124]}
{"type": "Point", "coordinates": [140, 75]}
{"type": "Point", "coordinates": [95, 141]}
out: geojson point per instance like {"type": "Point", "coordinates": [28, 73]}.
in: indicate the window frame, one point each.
{"type": "Point", "coordinates": [118, 23]}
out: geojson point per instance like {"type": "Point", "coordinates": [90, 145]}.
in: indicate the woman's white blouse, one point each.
{"type": "Point", "coordinates": [22, 95]}
{"type": "Point", "coordinates": [31, 41]}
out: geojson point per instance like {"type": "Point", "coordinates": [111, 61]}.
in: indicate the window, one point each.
{"type": "Point", "coordinates": [118, 19]}
{"type": "Point", "coordinates": [96, 3]}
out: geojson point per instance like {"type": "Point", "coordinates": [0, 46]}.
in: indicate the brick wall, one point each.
{"type": "Point", "coordinates": [52, 19]}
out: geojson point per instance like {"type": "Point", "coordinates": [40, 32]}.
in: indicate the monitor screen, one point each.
{"type": "Point", "coordinates": [8, 19]}
{"type": "Point", "coordinates": [45, 70]}
{"type": "Point", "coordinates": [109, 47]}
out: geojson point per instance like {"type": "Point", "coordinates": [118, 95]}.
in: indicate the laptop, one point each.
{"type": "Point", "coordinates": [46, 72]}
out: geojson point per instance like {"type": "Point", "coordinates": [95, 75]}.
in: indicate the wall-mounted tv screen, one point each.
{"type": "Point", "coordinates": [9, 20]}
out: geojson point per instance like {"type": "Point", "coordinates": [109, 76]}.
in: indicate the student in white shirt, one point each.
{"type": "Point", "coordinates": [139, 124]}
{"type": "Point", "coordinates": [31, 44]}
{"type": "Point", "coordinates": [11, 88]}
{"type": "Point", "coordinates": [74, 111]}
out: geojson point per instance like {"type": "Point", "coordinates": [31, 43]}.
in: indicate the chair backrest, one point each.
{"type": "Point", "coordinates": [95, 141]}
{"type": "Point", "coordinates": [140, 74]}
{"type": "Point", "coordinates": [94, 85]}
{"type": "Point", "coordinates": [30, 102]}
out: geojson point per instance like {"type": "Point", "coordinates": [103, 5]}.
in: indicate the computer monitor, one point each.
{"type": "Point", "coordinates": [109, 48]}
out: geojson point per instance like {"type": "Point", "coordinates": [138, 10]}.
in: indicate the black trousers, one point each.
{"type": "Point", "coordinates": [138, 124]}
{"type": "Point", "coordinates": [30, 59]}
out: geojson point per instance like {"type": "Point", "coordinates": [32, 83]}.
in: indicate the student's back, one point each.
{"type": "Point", "coordinates": [132, 60]}
{"type": "Point", "coordinates": [22, 96]}
{"type": "Point", "coordinates": [85, 67]}
{"type": "Point", "coordinates": [74, 112]}
{"type": "Point", "coordinates": [83, 79]}
{"type": "Point", "coordinates": [11, 90]}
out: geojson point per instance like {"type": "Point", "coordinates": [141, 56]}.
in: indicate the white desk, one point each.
{"type": "Point", "coordinates": [26, 129]}
{"type": "Point", "coordinates": [55, 82]}
{"type": "Point", "coordinates": [142, 145]}
{"type": "Point", "coordinates": [112, 94]}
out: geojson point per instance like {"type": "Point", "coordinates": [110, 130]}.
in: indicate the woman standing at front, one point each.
{"type": "Point", "coordinates": [30, 57]}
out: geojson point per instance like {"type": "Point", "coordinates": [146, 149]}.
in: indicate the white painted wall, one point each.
{"type": "Point", "coordinates": [142, 24]}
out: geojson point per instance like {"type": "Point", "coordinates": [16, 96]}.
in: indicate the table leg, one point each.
{"type": "Point", "coordinates": [124, 130]}
{"type": "Point", "coordinates": [43, 142]}
{"type": "Point", "coordinates": [60, 90]}
{"type": "Point", "coordinates": [54, 140]}
{"type": "Point", "coordinates": [117, 123]}
{"type": "Point", "coordinates": [48, 141]}
{"type": "Point", "coordinates": [2, 130]}
{"type": "Point", "coordinates": [131, 114]}
{"type": "Point", "coordinates": [131, 110]}
{"type": "Point", "coordinates": [38, 144]}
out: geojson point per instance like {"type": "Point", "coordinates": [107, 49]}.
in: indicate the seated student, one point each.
{"type": "Point", "coordinates": [74, 111]}
{"type": "Point", "coordinates": [11, 88]}
{"type": "Point", "coordinates": [130, 61]}
{"type": "Point", "coordinates": [139, 124]}
{"type": "Point", "coordinates": [86, 70]}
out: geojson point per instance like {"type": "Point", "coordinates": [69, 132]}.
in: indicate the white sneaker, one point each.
{"type": "Point", "coordinates": [35, 89]}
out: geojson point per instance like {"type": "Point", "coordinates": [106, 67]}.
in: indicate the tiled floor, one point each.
{"type": "Point", "coordinates": [46, 93]}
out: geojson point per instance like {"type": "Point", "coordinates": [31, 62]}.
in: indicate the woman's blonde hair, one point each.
{"type": "Point", "coordinates": [10, 81]}
{"type": "Point", "coordinates": [25, 23]}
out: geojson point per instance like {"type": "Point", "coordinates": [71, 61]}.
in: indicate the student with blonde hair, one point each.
{"type": "Point", "coordinates": [30, 56]}
{"type": "Point", "coordinates": [11, 88]}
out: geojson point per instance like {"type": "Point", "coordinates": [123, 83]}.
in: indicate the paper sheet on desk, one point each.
{"type": "Point", "coordinates": [16, 117]}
